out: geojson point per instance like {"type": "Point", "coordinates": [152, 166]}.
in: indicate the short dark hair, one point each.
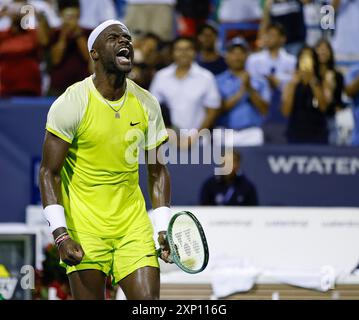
{"type": "Point", "coordinates": [205, 26]}
{"type": "Point", "coordinates": [64, 4]}
{"type": "Point", "coordinates": [185, 38]}
{"type": "Point", "coordinates": [279, 27]}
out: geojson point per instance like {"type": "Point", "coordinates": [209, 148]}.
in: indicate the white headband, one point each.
{"type": "Point", "coordinates": [96, 32]}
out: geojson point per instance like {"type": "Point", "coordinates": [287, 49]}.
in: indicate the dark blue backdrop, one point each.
{"type": "Point", "coordinates": [284, 175]}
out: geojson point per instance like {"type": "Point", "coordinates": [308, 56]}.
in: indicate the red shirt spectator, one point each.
{"type": "Point", "coordinates": [69, 57]}
{"type": "Point", "coordinates": [19, 63]}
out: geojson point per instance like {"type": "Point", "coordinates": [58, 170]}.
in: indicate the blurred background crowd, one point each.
{"type": "Point", "coordinates": [274, 71]}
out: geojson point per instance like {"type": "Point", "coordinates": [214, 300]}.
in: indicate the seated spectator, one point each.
{"type": "Point", "coordinates": [208, 57]}
{"type": "Point", "coordinates": [275, 64]}
{"type": "Point", "coordinates": [19, 59]}
{"type": "Point", "coordinates": [289, 13]}
{"type": "Point", "coordinates": [155, 16]}
{"type": "Point", "coordinates": [245, 99]}
{"type": "Point", "coordinates": [188, 90]}
{"type": "Point", "coordinates": [352, 90]}
{"type": "Point", "coordinates": [333, 85]}
{"type": "Point", "coordinates": [232, 189]}
{"type": "Point", "coordinates": [304, 102]}
{"type": "Point", "coordinates": [69, 57]}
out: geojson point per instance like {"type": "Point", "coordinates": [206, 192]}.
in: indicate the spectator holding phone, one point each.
{"type": "Point", "coordinates": [304, 102]}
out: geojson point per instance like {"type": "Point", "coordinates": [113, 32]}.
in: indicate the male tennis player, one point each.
{"type": "Point", "coordinates": [89, 181]}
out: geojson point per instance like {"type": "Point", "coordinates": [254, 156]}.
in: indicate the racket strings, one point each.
{"type": "Point", "coordinates": [187, 240]}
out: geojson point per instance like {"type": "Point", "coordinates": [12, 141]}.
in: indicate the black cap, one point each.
{"type": "Point", "coordinates": [237, 42]}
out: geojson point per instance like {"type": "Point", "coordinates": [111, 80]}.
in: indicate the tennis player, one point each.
{"type": "Point", "coordinates": [89, 180]}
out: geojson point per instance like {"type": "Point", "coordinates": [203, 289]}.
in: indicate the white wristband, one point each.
{"type": "Point", "coordinates": [161, 218]}
{"type": "Point", "coordinates": [55, 216]}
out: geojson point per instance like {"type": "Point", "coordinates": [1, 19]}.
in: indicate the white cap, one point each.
{"type": "Point", "coordinates": [96, 32]}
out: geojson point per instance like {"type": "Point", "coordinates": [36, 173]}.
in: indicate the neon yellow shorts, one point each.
{"type": "Point", "coordinates": [116, 257]}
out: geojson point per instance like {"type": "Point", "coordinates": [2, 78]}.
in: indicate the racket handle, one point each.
{"type": "Point", "coordinates": [158, 252]}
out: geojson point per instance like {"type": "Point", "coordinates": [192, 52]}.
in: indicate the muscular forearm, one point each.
{"type": "Point", "coordinates": [50, 187]}
{"type": "Point", "coordinates": [159, 185]}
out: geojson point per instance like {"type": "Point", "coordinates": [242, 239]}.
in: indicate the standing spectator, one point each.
{"type": "Point", "coordinates": [304, 102]}
{"type": "Point", "coordinates": [352, 90]}
{"type": "Point", "coordinates": [69, 61]}
{"type": "Point", "coordinates": [188, 90]}
{"type": "Point", "coordinates": [245, 98]}
{"type": "Point", "coordinates": [346, 27]}
{"type": "Point", "coordinates": [333, 85]}
{"type": "Point", "coordinates": [289, 13]}
{"type": "Point", "coordinates": [208, 57]}
{"type": "Point", "coordinates": [233, 189]}
{"type": "Point", "coordinates": [19, 59]}
{"type": "Point", "coordinates": [275, 64]}
{"type": "Point", "coordinates": [155, 16]}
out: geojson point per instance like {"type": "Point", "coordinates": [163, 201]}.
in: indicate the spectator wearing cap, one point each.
{"type": "Point", "coordinates": [208, 57]}
{"type": "Point", "coordinates": [276, 65]}
{"type": "Point", "coordinates": [352, 90]}
{"type": "Point", "coordinates": [188, 91]}
{"type": "Point", "coordinates": [69, 57]}
{"type": "Point", "coordinates": [230, 189]}
{"type": "Point", "coordinates": [245, 99]}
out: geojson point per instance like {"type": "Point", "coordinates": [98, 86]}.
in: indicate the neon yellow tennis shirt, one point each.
{"type": "Point", "coordinates": [99, 178]}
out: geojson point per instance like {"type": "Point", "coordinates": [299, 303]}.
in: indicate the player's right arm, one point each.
{"type": "Point", "coordinates": [53, 157]}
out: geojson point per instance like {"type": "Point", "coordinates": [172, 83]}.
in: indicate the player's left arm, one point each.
{"type": "Point", "coordinates": [159, 187]}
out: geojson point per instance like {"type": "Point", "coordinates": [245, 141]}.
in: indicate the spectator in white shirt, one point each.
{"type": "Point", "coordinates": [155, 16]}
{"type": "Point", "coordinates": [186, 89]}
{"type": "Point", "coordinates": [277, 66]}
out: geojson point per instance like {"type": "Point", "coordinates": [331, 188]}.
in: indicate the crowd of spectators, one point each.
{"type": "Point", "coordinates": [272, 78]}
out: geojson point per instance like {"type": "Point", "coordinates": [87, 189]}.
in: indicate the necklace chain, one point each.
{"type": "Point", "coordinates": [116, 111]}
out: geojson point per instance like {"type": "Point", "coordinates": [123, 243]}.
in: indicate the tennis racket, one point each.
{"type": "Point", "coordinates": [187, 242]}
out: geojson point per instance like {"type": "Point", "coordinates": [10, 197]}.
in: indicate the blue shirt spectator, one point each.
{"type": "Point", "coordinates": [244, 114]}
{"type": "Point", "coordinates": [245, 99]}
{"type": "Point", "coordinates": [352, 89]}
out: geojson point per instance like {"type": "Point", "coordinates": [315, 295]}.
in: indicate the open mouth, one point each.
{"type": "Point", "coordinates": [123, 56]}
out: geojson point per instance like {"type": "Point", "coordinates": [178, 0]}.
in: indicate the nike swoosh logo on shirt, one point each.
{"type": "Point", "coordinates": [133, 124]}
